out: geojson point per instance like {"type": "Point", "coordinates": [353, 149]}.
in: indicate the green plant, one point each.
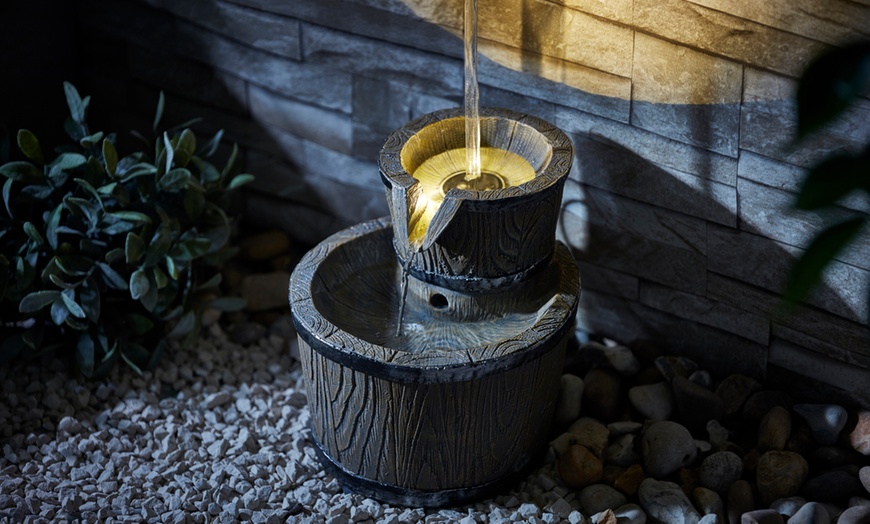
{"type": "Point", "coordinates": [829, 86]}
{"type": "Point", "coordinates": [106, 257]}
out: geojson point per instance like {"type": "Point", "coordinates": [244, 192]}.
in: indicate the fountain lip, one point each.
{"type": "Point", "coordinates": [394, 173]}
{"type": "Point", "coordinates": [437, 366]}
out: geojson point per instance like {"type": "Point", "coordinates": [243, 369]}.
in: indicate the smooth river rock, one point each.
{"type": "Point", "coordinates": [665, 503]}
{"type": "Point", "coordinates": [855, 515]}
{"type": "Point", "coordinates": [859, 437]}
{"type": "Point", "coordinates": [570, 400]}
{"type": "Point", "coordinates": [708, 501]}
{"type": "Point", "coordinates": [602, 394]}
{"type": "Point", "coordinates": [578, 467]}
{"type": "Point", "coordinates": [599, 497]}
{"type": "Point", "coordinates": [864, 476]}
{"type": "Point", "coordinates": [590, 433]}
{"type": "Point", "coordinates": [653, 401]}
{"type": "Point", "coordinates": [739, 501]}
{"type": "Point", "coordinates": [760, 403]}
{"type": "Point", "coordinates": [833, 486]}
{"type": "Point", "coordinates": [761, 516]}
{"type": "Point", "coordinates": [696, 404]}
{"type": "Point", "coordinates": [810, 513]}
{"type": "Point", "coordinates": [825, 420]}
{"type": "Point", "coordinates": [734, 390]}
{"type": "Point", "coordinates": [774, 429]}
{"type": "Point", "coordinates": [780, 474]}
{"type": "Point", "coordinates": [720, 470]}
{"type": "Point", "coordinates": [788, 506]}
{"type": "Point", "coordinates": [666, 447]}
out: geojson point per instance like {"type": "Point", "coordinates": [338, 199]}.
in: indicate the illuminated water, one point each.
{"type": "Point", "coordinates": [472, 94]}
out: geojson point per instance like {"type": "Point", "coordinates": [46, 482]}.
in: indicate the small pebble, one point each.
{"type": "Point", "coordinates": [671, 367]}
{"type": "Point", "coordinates": [761, 516]}
{"type": "Point", "coordinates": [720, 470]}
{"type": "Point", "coordinates": [570, 400]}
{"type": "Point", "coordinates": [708, 501]}
{"type": "Point", "coordinates": [788, 506]}
{"type": "Point", "coordinates": [855, 515]}
{"type": "Point", "coordinates": [599, 497]}
{"type": "Point", "coordinates": [602, 394]}
{"type": "Point", "coordinates": [734, 390]}
{"type": "Point", "coordinates": [859, 437]}
{"type": "Point", "coordinates": [864, 476]}
{"type": "Point", "coordinates": [780, 474]}
{"type": "Point", "coordinates": [833, 486]}
{"type": "Point", "coordinates": [774, 430]}
{"type": "Point", "coordinates": [739, 501]}
{"type": "Point", "coordinates": [696, 404]}
{"type": "Point", "coordinates": [761, 402]}
{"type": "Point", "coordinates": [578, 467]}
{"type": "Point", "coordinates": [590, 433]}
{"type": "Point", "coordinates": [825, 420]}
{"type": "Point", "coordinates": [810, 513]}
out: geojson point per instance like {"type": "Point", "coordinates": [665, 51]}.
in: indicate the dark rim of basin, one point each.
{"type": "Point", "coordinates": [437, 365]}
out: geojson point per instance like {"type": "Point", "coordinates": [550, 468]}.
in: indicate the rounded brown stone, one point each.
{"type": "Point", "coordinates": [739, 501]}
{"type": "Point", "coordinates": [578, 467]}
{"type": "Point", "coordinates": [780, 474]}
{"type": "Point", "coordinates": [602, 394]}
{"type": "Point", "coordinates": [590, 433]}
{"type": "Point", "coordinates": [629, 481]}
{"type": "Point", "coordinates": [774, 430]}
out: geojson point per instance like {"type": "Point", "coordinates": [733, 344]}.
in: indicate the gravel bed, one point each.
{"type": "Point", "coordinates": [217, 433]}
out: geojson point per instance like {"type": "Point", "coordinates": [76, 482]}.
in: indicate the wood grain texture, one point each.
{"type": "Point", "coordinates": [431, 436]}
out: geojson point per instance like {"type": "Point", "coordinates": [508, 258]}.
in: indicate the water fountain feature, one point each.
{"type": "Point", "coordinates": [449, 398]}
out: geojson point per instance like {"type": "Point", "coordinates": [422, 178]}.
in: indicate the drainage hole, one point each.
{"type": "Point", "coordinates": [438, 301]}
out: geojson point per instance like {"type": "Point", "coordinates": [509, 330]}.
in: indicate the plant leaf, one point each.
{"type": "Point", "coordinates": [85, 354]}
{"type": "Point", "coordinates": [111, 277]}
{"type": "Point", "coordinates": [29, 145]}
{"type": "Point", "coordinates": [807, 270]}
{"type": "Point", "coordinates": [132, 216]}
{"type": "Point", "coordinates": [33, 233]}
{"type": "Point", "coordinates": [71, 304]}
{"type": "Point", "coordinates": [240, 180]}
{"type": "Point", "coordinates": [140, 169]}
{"type": "Point", "coordinates": [211, 146]}
{"type": "Point", "coordinates": [139, 324]}
{"type": "Point", "coordinates": [830, 84]}
{"type": "Point", "coordinates": [170, 152]}
{"type": "Point", "coordinates": [89, 296]}
{"type": "Point", "coordinates": [230, 168]}
{"type": "Point", "coordinates": [37, 300]}
{"type": "Point", "coordinates": [174, 181]}
{"type": "Point", "coordinates": [214, 281]}
{"type": "Point", "coordinates": [7, 192]}
{"type": "Point", "coordinates": [194, 203]}
{"type": "Point", "coordinates": [74, 101]}
{"type": "Point", "coordinates": [134, 248]}
{"type": "Point", "coordinates": [158, 115]}
{"type": "Point", "coordinates": [184, 326]}
{"type": "Point", "coordinates": [51, 226]}
{"type": "Point", "coordinates": [67, 161]}
{"type": "Point", "coordinates": [90, 189]}
{"type": "Point", "coordinates": [91, 140]}
{"type": "Point", "coordinates": [59, 312]}
{"type": "Point", "coordinates": [139, 284]}
{"type": "Point", "coordinates": [20, 171]}
{"type": "Point", "coordinates": [110, 157]}
{"type": "Point", "coordinates": [186, 147]}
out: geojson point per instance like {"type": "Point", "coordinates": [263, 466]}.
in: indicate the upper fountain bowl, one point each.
{"type": "Point", "coordinates": [488, 233]}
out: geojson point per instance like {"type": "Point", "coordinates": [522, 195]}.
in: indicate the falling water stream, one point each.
{"type": "Point", "coordinates": [472, 94]}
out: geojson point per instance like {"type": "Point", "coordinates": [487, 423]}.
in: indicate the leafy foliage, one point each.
{"type": "Point", "coordinates": [829, 86]}
{"type": "Point", "coordinates": [110, 256]}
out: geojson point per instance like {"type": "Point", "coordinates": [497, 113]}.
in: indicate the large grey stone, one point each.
{"type": "Point", "coordinates": [665, 503]}
{"type": "Point", "coordinates": [810, 513]}
{"type": "Point", "coordinates": [654, 401]}
{"type": "Point", "coordinates": [666, 446]}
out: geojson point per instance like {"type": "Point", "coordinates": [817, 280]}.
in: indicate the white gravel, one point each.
{"type": "Point", "coordinates": [218, 433]}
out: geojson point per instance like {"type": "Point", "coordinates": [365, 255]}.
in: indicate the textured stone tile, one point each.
{"type": "Point", "coordinates": [770, 213]}
{"type": "Point", "coordinates": [336, 50]}
{"type": "Point", "coordinates": [686, 95]}
{"type": "Point", "coordinates": [555, 80]}
{"type": "Point", "coordinates": [276, 34]}
{"type": "Point", "coordinates": [629, 253]}
{"type": "Point", "coordinates": [328, 128]}
{"type": "Point", "coordinates": [637, 218]}
{"type": "Point", "coordinates": [742, 40]}
{"type": "Point", "coordinates": [706, 311]}
{"type": "Point", "coordinates": [591, 41]}
{"type": "Point", "coordinates": [324, 86]}
{"type": "Point", "coordinates": [517, 101]}
{"type": "Point", "coordinates": [807, 363]}
{"type": "Point", "coordinates": [857, 357]}
{"type": "Point", "coordinates": [380, 104]}
{"type": "Point", "coordinates": [301, 222]}
{"type": "Point", "coordinates": [391, 21]}
{"type": "Point", "coordinates": [768, 123]}
{"type": "Point", "coordinates": [187, 78]}
{"type": "Point", "coordinates": [651, 146]}
{"type": "Point", "coordinates": [767, 263]}
{"type": "Point", "coordinates": [830, 21]}
{"type": "Point", "coordinates": [280, 179]}
{"type": "Point", "coordinates": [616, 10]}
{"type": "Point", "coordinates": [615, 169]}
{"type": "Point", "coordinates": [808, 322]}
{"type": "Point", "coordinates": [607, 280]}
{"type": "Point", "coordinates": [628, 321]}
{"type": "Point", "coordinates": [788, 177]}
{"type": "Point", "coordinates": [313, 159]}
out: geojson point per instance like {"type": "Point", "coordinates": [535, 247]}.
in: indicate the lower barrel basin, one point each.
{"type": "Point", "coordinates": [437, 401]}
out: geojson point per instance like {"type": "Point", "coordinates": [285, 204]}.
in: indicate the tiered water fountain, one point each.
{"type": "Point", "coordinates": [432, 341]}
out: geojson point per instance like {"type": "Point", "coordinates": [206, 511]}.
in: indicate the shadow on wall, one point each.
{"type": "Point", "coordinates": [692, 261]}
